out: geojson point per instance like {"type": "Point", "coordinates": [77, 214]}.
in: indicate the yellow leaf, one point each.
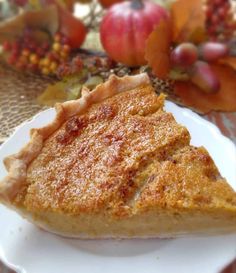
{"type": "Point", "coordinates": [53, 93]}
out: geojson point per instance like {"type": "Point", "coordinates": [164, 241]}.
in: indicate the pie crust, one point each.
{"type": "Point", "coordinates": [16, 164]}
{"type": "Point", "coordinates": [172, 190]}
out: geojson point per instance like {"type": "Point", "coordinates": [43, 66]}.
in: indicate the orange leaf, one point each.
{"type": "Point", "coordinates": [230, 61]}
{"type": "Point", "coordinates": [223, 100]}
{"type": "Point", "coordinates": [157, 52]}
{"type": "Point", "coordinates": [188, 16]}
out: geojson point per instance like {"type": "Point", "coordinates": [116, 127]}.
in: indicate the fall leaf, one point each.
{"type": "Point", "coordinates": [45, 20]}
{"type": "Point", "coordinates": [223, 100]}
{"type": "Point", "coordinates": [198, 36]}
{"type": "Point", "coordinates": [230, 61]}
{"type": "Point", "coordinates": [188, 17]}
{"type": "Point", "coordinates": [158, 49]}
{"type": "Point", "coordinates": [69, 88]}
{"type": "Point", "coordinates": [53, 93]}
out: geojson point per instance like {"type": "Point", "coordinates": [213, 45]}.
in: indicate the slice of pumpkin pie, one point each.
{"type": "Point", "coordinates": [114, 164]}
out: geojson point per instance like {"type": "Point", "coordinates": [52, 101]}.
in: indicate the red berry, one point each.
{"type": "Point", "coordinates": [110, 63]}
{"type": "Point", "coordinates": [212, 30]}
{"type": "Point", "coordinates": [53, 56]}
{"type": "Point", "coordinates": [11, 60]}
{"type": "Point", "coordinates": [32, 46]}
{"type": "Point", "coordinates": [221, 12]}
{"type": "Point", "coordinates": [213, 51]}
{"type": "Point", "coordinates": [16, 46]}
{"type": "Point", "coordinates": [77, 61]}
{"type": "Point", "coordinates": [57, 37]}
{"type": "Point", "coordinates": [209, 11]}
{"type": "Point", "coordinates": [202, 75]}
{"type": "Point", "coordinates": [63, 70]}
{"type": "Point", "coordinates": [7, 46]}
{"type": "Point", "coordinates": [15, 53]}
{"type": "Point", "coordinates": [217, 2]}
{"type": "Point", "coordinates": [227, 6]}
{"type": "Point", "coordinates": [65, 40]}
{"type": "Point", "coordinates": [215, 19]}
{"type": "Point", "coordinates": [98, 62]}
{"type": "Point", "coordinates": [45, 46]}
{"type": "Point", "coordinates": [20, 3]}
{"type": "Point", "coordinates": [40, 52]}
{"type": "Point", "coordinates": [184, 55]}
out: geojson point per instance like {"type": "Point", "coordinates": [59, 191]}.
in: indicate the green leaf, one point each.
{"type": "Point", "coordinates": [52, 94]}
{"type": "Point", "coordinates": [93, 81]}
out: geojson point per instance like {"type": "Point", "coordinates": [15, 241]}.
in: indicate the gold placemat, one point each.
{"type": "Point", "coordinates": [18, 93]}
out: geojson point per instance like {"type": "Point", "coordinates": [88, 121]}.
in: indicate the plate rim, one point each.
{"type": "Point", "coordinates": [186, 111]}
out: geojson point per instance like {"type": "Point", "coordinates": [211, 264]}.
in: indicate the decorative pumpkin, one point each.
{"type": "Point", "coordinates": [126, 27]}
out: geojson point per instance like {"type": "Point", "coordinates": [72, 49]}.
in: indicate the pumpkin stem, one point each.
{"type": "Point", "coordinates": [137, 4]}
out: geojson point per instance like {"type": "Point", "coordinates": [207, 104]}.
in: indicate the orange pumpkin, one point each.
{"type": "Point", "coordinates": [126, 27]}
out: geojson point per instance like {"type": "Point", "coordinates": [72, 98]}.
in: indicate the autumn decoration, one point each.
{"type": "Point", "coordinates": [191, 43]}
{"type": "Point", "coordinates": [198, 52]}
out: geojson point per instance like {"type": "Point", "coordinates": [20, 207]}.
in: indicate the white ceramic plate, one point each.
{"type": "Point", "coordinates": [28, 249]}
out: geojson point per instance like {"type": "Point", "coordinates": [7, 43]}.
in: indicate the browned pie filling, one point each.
{"type": "Point", "coordinates": [114, 164]}
{"type": "Point", "coordinates": [121, 156]}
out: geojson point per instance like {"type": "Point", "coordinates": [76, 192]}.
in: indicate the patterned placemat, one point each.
{"type": "Point", "coordinates": [18, 93]}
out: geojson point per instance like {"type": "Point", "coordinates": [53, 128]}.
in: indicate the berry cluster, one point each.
{"type": "Point", "coordinates": [20, 3]}
{"type": "Point", "coordinates": [220, 22]}
{"type": "Point", "coordinates": [27, 54]}
{"type": "Point", "coordinates": [69, 68]}
{"type": "Point", "coordinates": [193, 61]}
{"type": "Point", "coordinates": [93, 64]}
